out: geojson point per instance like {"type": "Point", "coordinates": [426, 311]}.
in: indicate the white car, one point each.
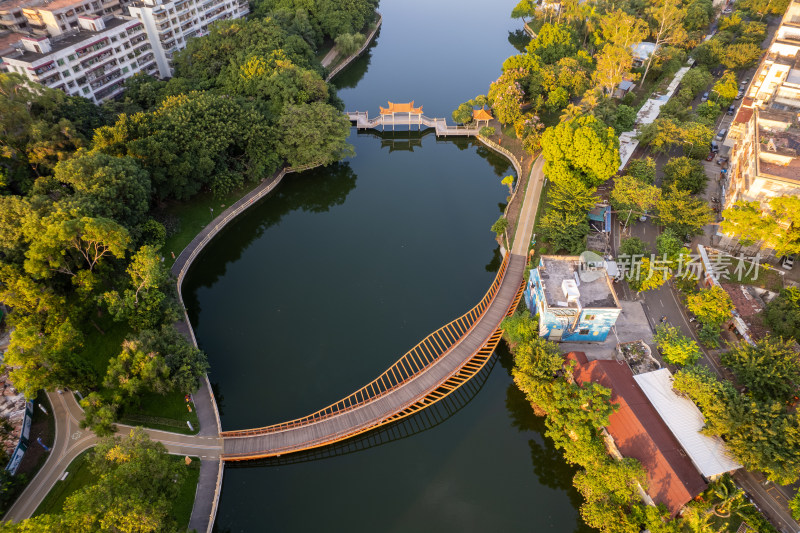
{"type": "Point", "coordinates": [788, 262]}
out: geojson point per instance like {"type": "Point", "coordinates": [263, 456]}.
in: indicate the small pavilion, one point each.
{"type": "Point", "coordinates": [481, 115]}
{"type": "Point", "coordinates": [402, 109]}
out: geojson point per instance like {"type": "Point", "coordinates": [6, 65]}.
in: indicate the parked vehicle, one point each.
{"type": "Point", "coordinates": [731, 109]}
{"type": "Point", "coordinates": [722, 160]}
{"type": "Point", "coordinates": [739, 95]}
{"type": "Point", "coordinates": [710, 156]}
{"type": "Point", "coordinates": [721, 134]}
{"type": "Point", "coordinates": [714, 147]}
{"type": "Point", "coordinates": [788, 262]}
{"type": "Point", "coordinates": [704, 98]}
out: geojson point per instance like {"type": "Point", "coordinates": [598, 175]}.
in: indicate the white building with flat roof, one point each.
{"type": "Point", "coordinates": [169, 24]}
{"type": "Point", "coordinates": [93, 62]}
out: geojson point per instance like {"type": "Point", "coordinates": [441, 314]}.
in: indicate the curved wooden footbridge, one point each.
{"type": "Point", "coordinates": [429, 372]}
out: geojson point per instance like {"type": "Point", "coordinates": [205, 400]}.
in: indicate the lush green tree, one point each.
{"type": "Point", "coordinates": [709, 110]}
{"type": "Point", "coordinates": [778, 229]}
{"type": "Point", "coordinates": [683, 213]}
{"type": "Point", "coordinates": [642, 169]}
{"type": "Point", "coordinates": [525, 8]}
{"type": "Point", "coordinates": [685, 174]}
{"type": "Point", "coordinates": [229, 44]}
{"type": "Point", "coordinates": [710, 306]}
{"type": "Point", "coordinates": [794, 506]}
{"type": "Point", "coordinates": [500, 226]}
{"type": "Point", "coordinates": [696, 139]}
{"type": "Point", "coordinates": [313, 134]}
{"type": "Point", "coordinates": [109, 187]}
{"type": "Point", "coordinates": [676, 348]}
{"type": "Point", "coordinates": [740, 55]}
{"type": "Point", "coordinates": [564, 230]}
{"type": "Point", "coordinates": [727, 87]}
{"type": "Point", "coordinates": [764, 7]}
{"type": "Point", "coordinates": [332, 17]}
{"type": "Point", "coordinates": [506, 95]}
{"type": "Point", "coordinates": [698, 15]}
{"type": "Point", "coordinates": [669, 245]}
{"type": "Point", "coordinates": [648, 276]}
{"type": "Point", "coordinates": [634, 196]}
{"type": "Point", "coordinates": [616, 481]}
{"type": "Point", "coordinates": [144, 303]}
{"type": "Point", "coordinates": [696, 80]}
{"type": "Point", "coordinates": [553, 42]}
{"type": "Point", "coordinates": [195, 140]}
{"type": "Point", "coordinates": [583, 147]}
{"type": "Point", "coordinates": [99, 414]}
{"type": "Point", "coordinates": [632, 246]}
{"type": "Point", "coordinates": [13, 212]}
{"type": "Point", "coordinates": [135, 370]}
{"type": "Point", "coordinates": [185, 363]}
{"type": "Point", "coordinates": [624, 119]}
{"type": "Point", "coordinates": [666, 26]}
{"type": "Point", "coordinates": [660, 135]}
{"type": "Point", "coordinates": [571, 195]}
{"type": "Point", "coordinates": [782, 314]}
{"type": "Point", "coordinates": [770, 369]}
{"type": "Point", "coordinates": [348, 43]}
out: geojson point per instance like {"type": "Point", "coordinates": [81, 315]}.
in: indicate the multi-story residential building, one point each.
{"type": "Point", "coordinates": [764, 138]}
{"type": "Point", "coordinates": [170, 23]}
{"type": "Point", "coordinates": [55, 17]}
{"type": "Point", "coordinates": [575, 300]}
{"type": "Point", "coordinates": [11, 16]}
{"type": "Point", "coordinates": [9, 41]}
{"type": "Point", "coordinates": [92, 62]}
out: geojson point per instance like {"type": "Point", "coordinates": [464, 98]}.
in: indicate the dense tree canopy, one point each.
{"type": "Point", "coordinates": [582, 147]}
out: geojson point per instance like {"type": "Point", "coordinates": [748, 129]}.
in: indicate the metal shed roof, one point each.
{"type": "Point", "coordinates": [685, 421]}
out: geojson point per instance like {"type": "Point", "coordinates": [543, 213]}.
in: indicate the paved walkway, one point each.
{"type": "Point", "coordinates": [71, 441]}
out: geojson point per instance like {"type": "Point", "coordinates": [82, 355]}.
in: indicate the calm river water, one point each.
{"type": "Point", "coordinates": [316, 290]}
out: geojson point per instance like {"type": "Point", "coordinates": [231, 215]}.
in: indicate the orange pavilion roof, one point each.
{"type": "Point", "coordinates": [481, 114]}
{"type": "Point", "coordinates": [401, 108]}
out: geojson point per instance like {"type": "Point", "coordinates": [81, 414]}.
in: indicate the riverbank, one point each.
{"type": "Point", "coordinates": [333, 54]}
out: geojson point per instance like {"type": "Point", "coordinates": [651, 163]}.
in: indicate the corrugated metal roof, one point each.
{"type": "Point", "coordinates": [640, 433]}
{"type": "Point", "coordinates": [685, 421]}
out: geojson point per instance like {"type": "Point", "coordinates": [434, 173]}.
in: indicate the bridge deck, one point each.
{"type": "Point", "coordinates": [374, 413]}
{"type": "Point", "coordinates": [362, 121]}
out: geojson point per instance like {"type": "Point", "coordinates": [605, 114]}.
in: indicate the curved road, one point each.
{"type": "Point", "coordinates": [71, 441]}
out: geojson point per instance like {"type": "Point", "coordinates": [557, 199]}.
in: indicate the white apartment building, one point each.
{"type": "Point", "coordinates": [170, 23]}
{"type": "Point", "coordinates": [11, 17]}
{"type": "Point", "coordinates": [92, 62]}
{"type": "Point", "coordinates": [764, 138]}
{"type": "Point", "coordinates": [54, 17]}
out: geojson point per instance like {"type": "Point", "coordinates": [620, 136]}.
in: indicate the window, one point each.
{"type": "Point", "coordinates": [71, 84]}
{"type": "Point", "coordinates": [588, 317]}
{"type": "Point", "coordinates": [584, 331]}
{"type": "Point", "coordinates": [114, 39]}
{"type": "Point", "coordinates": [66, 73]}
{"type": "Point", "coordinates": [124, 70]}
{"type": "Point", "coordinates": [85, 90]}
{"type": "Point", "coordinates": [71, 57]}
{"type": "Point", "coordinates": [76, 69]}
{"type": "Point", "coordinates": [60, 62]}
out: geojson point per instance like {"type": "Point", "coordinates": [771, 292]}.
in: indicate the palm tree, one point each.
{"type": "Point", "coordinates": [570, 112]}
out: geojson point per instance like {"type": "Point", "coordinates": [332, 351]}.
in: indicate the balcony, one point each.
{"type": "Point", "coordinates": [92, 48]}
{"type": "Point", "coordinates": [108, 91]}
{"type": "Point", "coordinates": [138, 39]}
{"type": "Point", "coordinates": [96, 59]}
{"type": "Point", "coordinates": [99, 82]}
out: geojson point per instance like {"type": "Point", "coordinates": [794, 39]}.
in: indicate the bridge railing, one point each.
{"type": "Point", "coordinates": [421, 356]}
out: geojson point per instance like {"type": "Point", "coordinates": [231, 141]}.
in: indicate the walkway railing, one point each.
{"type": "Point", "coordinates": [416, 360]}
{"type": "Point", "coordinates": [360, 51]}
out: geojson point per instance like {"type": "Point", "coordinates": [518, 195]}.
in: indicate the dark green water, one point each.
{"type": "Point", "coordinates": [316, 290]}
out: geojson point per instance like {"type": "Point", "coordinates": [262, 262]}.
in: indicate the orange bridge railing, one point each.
{"type": "Point", "coordinates": [416, 360]}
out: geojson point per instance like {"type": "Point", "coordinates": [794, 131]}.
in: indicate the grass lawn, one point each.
{"type": "Point", "coordinates": [78, 475]}
{"type": "Point", "coordinates": [182, 507]}
{"type": "Point", "coordinates": [166, 412]}
{"type": "Point", "coordinates": [195, 215]}
{"type": "Point", "coordinates": [98, 347]}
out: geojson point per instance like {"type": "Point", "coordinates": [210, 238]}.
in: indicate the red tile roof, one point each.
{"type": "Point", "coordinates": [744, 115]}
{"type": "Point", "coordinates": [639, 432]}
